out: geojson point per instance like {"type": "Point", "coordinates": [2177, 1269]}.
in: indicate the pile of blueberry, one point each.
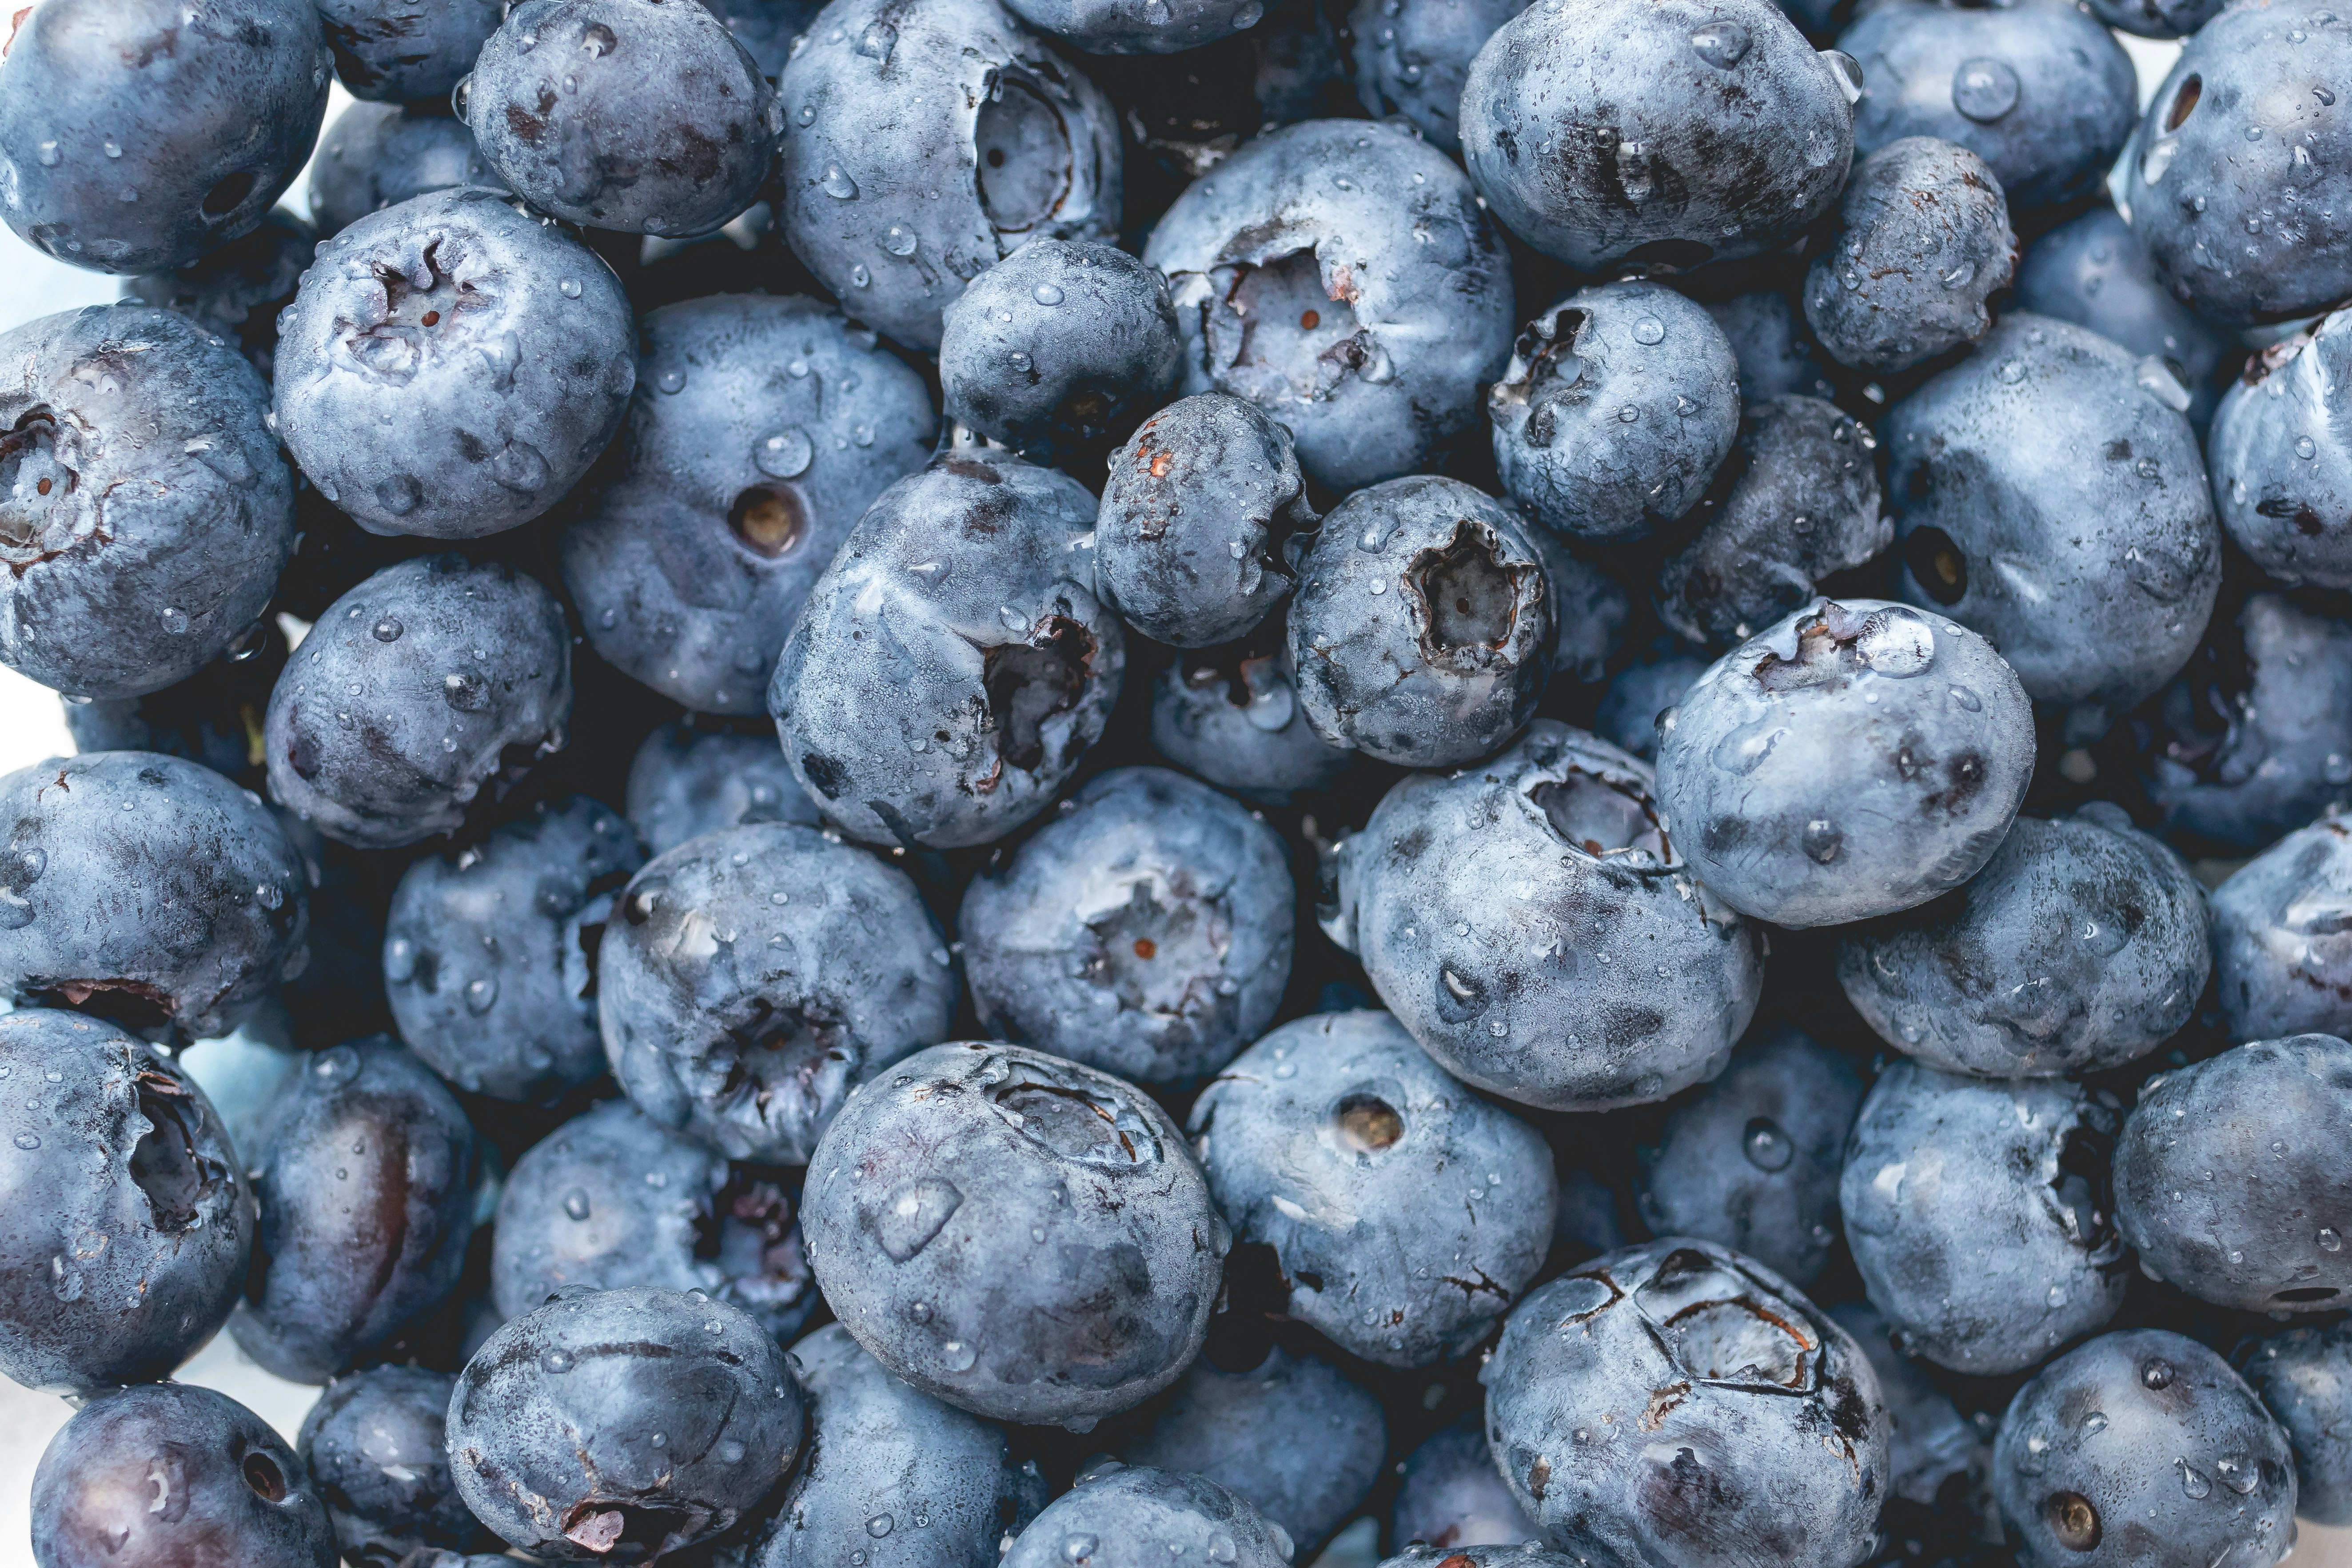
{"type": "Point", "coordinates": [1085, 783]}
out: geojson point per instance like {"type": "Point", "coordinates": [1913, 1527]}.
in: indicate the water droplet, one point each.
{"type": "Point", "coordinates": [2009, 372]}
{"type": "Point", "coordinates": [1019, 361]}
{"type": "Point", "coordinates": [1220, 1548]}
{"type": "Point", "coordinates": [555, 1361]}
{"type": "Point", "coordinates": [27, 1141]}
{"type": "Point", "coordinates": [1247, 15]}
{"type": "Point", "coordinates": [2155, 1372]}
{"type": "Point", "coordinates": [921, 1311]}
{"type": "Point", "coordinates": [575, 1203]}
{"type": "Point", "coordinates": [2192, 1481]}
{"type": "Point", "coordinates": [175, 620]}
{"type": "Point", "coordinates": [859, 277]}
{"type": "Point", "coordinates": [1822, 841]}
{"type": "Point", "coordinates": [1649, 329]}
{"type": "Point", "coordinates": [1768, 1148]}
{"type": "Point", "coordinates": [787, 454]}
{"type": "Point", "coordinates": [481, 994]}
{"type": "Point", "coordinates": [912, 1216]}
{"type": "Point", "coordinates": [899, 240]}
{"type": "Point", "coordinates": [879, 1525]}
{"type": "Point", "coordinates": [1629, 415]}
{"type": "Point", "coordinates": [1984, 89]}
{"type": "Point", "coordinates": [2153, 377]}
{"type": "Point", "coordinates": [2093, 1424]}
{"type": "Point", "coordinates": [1047, 294]}
{"type": "Point", "coordinates": [1961, 276]}
{"type": "Point", "coordinates": [466, 691]}
{"type": "Point", "coordinates": [1721, 44]}
{"type": "Point", "coordinates": [388, 629]}
{"type": "Point", "coordinates": [47, 153]}
{"type": "Point", "coordinates": [112, 148]}
{"type": "Point", "coordinates": [569, 288]}
{"type": "Point", "coordinates": [2306, 448]}
{"type": "Point", "coordinates": [671, 382]}
{"type": "Point", "coordinates": [2158, 159]}
{"type": "Point", "coordinates": [2329, 1241]}
{"type": "Point", "coordinates": [877, 42]}
{"type": "Point", "coordinates": [1079, 1547]}
{"type": "Point", "coordinates": [1848, 71]}
{"type": "Point", "coordinates": [838, 184]}
{"type": "Point", "coordinates": [959, 1356]}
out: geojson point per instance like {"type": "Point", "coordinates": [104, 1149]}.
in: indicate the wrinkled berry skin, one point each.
{"type": "Point", "coordinates": [1241, 727]}
{"type": "Point", "coordinates": [1128, 1516]}
{"type": "Point", "coordinates": [1422, 627]}
{"type": "Point", "coordinates": [1978, 1216]}
{"type": "Point", "coordinates": [756, 974]}
{"type": "Point", "coordinates": [1630, 708]}
{"type": "Point", "coordinates": [684, 784]}
{"type": "Point", "coordinates": [2079, 947]}
{"type": "Point", "coordinates": [2263, 1232]}
{"type": "Point", "coordinates": [1932, 1441]}
{"type": "Point", "coordinates": [891, 101]}
{"type": "Point", "coordinates": [2304, 1378]}
{"type": "Point", "coordinates": [1199, 505]}
{"type": "Point", "coordinates": [394, 51]}
{"type": "Point", "coordinates": [1751, 1161]}
{"type": "Point", "coordinates": [1554, 996]}
{"type": "Point", "coordinates": [1923, 242]}
{"type": "Point", "coordinates": [436, 377]}
{"type": "Point", "coordinates": [1766, 328]}
{"type": "Point", "coordinates": [488, 954]}
{"type": "Point", "coordinates": [372, 1444]}
{"type": "Point", "coordinates": [146, 888]}
{"type": "Point", "coordinates": [2039, 90]}
{"type": "Point", "coordinates": [622, 1426]}
{"type": "Point", "coordinates": [1615, 411]}
{"type": "Point", "coordinates": [2091, 271]}
{"type": "Point", "coordinates": [943, 1484]}
{"type": "Point", "coordinates": [1342, 276]}
{"type": "Point", "coordinates": [132, 1222]}
{"type": "Point", "coordinates": [1406, 1214]}
{"type": "Point", "coordinates": [377, 155]}
{"type": "Point", "coordinates": [1588, 608]}
{"type": "Point", "coordinates": [433, 720]}
{"type": "Point", "coordinates": [1145, 930]}
{"type": "Point", "coordinates": [609, 1199]}
{"type": "Point", "coordinates": [1451, 1495]}
{"type": "Point", "coordinates": [134, 139]}
{"type": "Point", "coordinates": [2282, 936]}
{"type": "Point", "coordinates": [2185, 1466]}
{"type": "Point", "coordinates": [148, 512]}
{"type": "Point", "coordinates": [1736, 138]}
{"type": "Point", "coordinates": [365, 1129]}
{"type": "Point", "coordinates": [953, 663]}
{"type": "Point", "coordinates": [238, 1497]}
{"type": "Point", "coordinates": [1410, 60]}
{"type": "Point", "coordinates": [2094, 572]}
{"type": "Point", "coordinates": [2281, 469]}
{"type": "Point", "coordinates": [1723, 1417]}
{"type": "Point", "coordinates": [236, 292]}
{"type": "Point", "coordinates": [922, 1211]}
{"type": "Point", "coordinates": [1139, 27]}
{"type": "Point", "coordinates": [1857, 759]}
{"type": "Point", "coordinates": [737, 481]}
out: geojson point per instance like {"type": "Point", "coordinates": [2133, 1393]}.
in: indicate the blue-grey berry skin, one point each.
{"type": "Point", "coordinates": [1630, 707]}
{"type": "Point", "coordinates": [1528, 1553]}
{"type": "Point", "coordinates": [1751, 1161]}
{"type": "Point", "coordinates": [1341, 276]}
{"type": "Point", "coordinates": [2091, 272]}
{"type": "Point", "coordinates": [1188, 542]}
{"type": "Point", "coordinates": [1421, 629]}
{"type": "Point", "coordinates": [1121, 1516]}
{"type": "Point", "coordinates": [242, 1071]}
{"type": "Point", "coordinates": [893, 1478]}
{"type": "Point", "coordinates": [1242, 728]}
{"type": "Point", "coordinates": [487, 952]}
{"type": "Point", "coordinates": [364, 1130]}
{"type": "Point", "coordinates": [1615, 411]}
{"type": "Point", "coordinates": [1857, 759]}
{"type": "Point", "coordinates": [2265, 1232]}
{"type": "Point", "coordinates": [622, 1426]}
{"type": "Point", "coordinates": [1406, 1212]}
{"type": "Point", "coordinates": [377, 155]}
{"type": "Point", "coordinates": [2281, 954]}
{"type": "Point", "coordinates": [407, 695]}
{"type": "Point", "coordinates": [1605, 133]}
{"type": "Point", "coordinates": [133, 1222]}
{"type": "Point", "coordinates": [1804, 504]}
{"type": "Point", "coordinates": [1451, 1495]}
{"type": "Point", "coordinates": [2304, 1378]}
{"type": "Point", "coordinates": [1923, 241]}
{"type": "Point", "coordinates": [372, 1444]}
{"type": "Point", "coordinates": [759, 432]}
{"type": "Point", "coordinates": [1978, 1216]}
{"type": "Point", "coordinates": [755, 976]}
{"type": "Point", "coordinates": [1410, 60]}
{"type": "Point", "coordinates": [766, 27]}
{"type": "Point", "coordinates": [953, 664]}
{"type": "Point", "coordinates": [149, 883]}
{"type": "Point", "coordinates": [451, 366]}
{"type": "Point", "coordinates": [683, 783]}
{"type": "Point", "coordinates": [134, 139]}
{"type": "Point", "coordinates": [395, 51]}
{"type": "Point", "coordinates": [2081, 946]}
{"type": "Point", "coordinates": [1931, 1441]}
{"type": "Point", "coordinates": [236, 291]}
{"type": "Point", "coordinates": [1538, 932]}
{"type": "Point", "coordinates": [2142, 1447]}
{"type": "Point", "coordinates": [149, 513]}
{"type": "Point", "coordinates": [1023, 1238]}
{"type": "Point", "coordinates": [1589, 608]}
{"type": "Point", "coordinates": [2040, 91]}
{"type": "Point", "coordinates": [2156, 18]}
{"type": "Point", "coordinates": [2281, 469]}
{"type": "Point", "coordinates": [1724, 1419]}
{"type": "Point", "coordinates": [1140, 26]}
{"type": "Point", "coordinates": [1766, 329]}
{"type": "Point", "coordinates": [1145, 930]}
{"type": "Point", "coordinates": [929, 140]}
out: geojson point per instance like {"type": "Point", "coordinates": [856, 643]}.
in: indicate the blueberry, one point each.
{"type": "Point", "coordinates": [1932, 1444]}
{"type": "Point", "coordinates": [363, 1129]}
{"type": "Point", "coordinates": [2263, 1232]}
{"type": "Point", "coordinates": [1923, 241]}
{"type": "Point", "coordinates": [2156, 18]}
{"type": "Point", "coordinates": [426, 682]}
{"type": "Point", "coordinates": [1190, 543]}
{"type": "Point", "coordinates": [1588, 607]}
{"type": "Point", "coordinates": [1767, 332]}
{"type": "Point", "coordinates": [242, 1071]}
{"type": "Point", "coordinates": [134, 1219]}
{"type": "Point", "coordinates": [166, 1475]}
{"type": "Point", "coordinates": [609, 1199]}
{"type": "Point", "coordinates": [145, 889]}
{"type": "Point", "coordinates": [2304, 1377]}
{"type": "Point", "coordinates": [1405, 1214]}
{"type": "Point", "coordinates": [237, 291]}
{"type": "Point", "coordinates": [372, 1444]}
{"type": "Point", "coordinates": [893, 1478]}
{"type": "Point", "coordinates": [2093, 578]}
{"type": "Point", "coordinates": [684, 782]}
{"type": "Point", "coordinates": [144, 511]}
{"type": "Point", "coordinates": [1535, 927]}
{"type": "Point", "coordinates": [2279, 927]}
{"type": "Point", "coordinates": [2142, 1447]}
{"type": "Point", "coordinates": [1800, 504]}
{"type": "Point", "coordinates": [377, 155]}
{"type": "Point", "coordinates": [1978, 1215]}
{"type": "Point", "coordinates": [929, 139]}
{"type": "Point", "coordinates": [1526, 1554]}
{"type": "Point", "coordinates": [622, 1426]}
{"type": "Point", "coordinates": [1023, 1238]}
{"type": "Point", "coordinates": [1451, 1495]}
{"type": "Point", "coordinates": [1616, 132]}
{"type": "Point", "coordinates": [1410, 59]}
{"type": "Point", "coordinates": [1119, 1516]}
{"type": "Point", "coordinates": [1140, 26]}
{"type": "Point", "coordinates": [2281, 473]}
{"type": "Point", "coordinates": [953, 664]}
{"type": "Point", "coordinates": [2091, 272]}
{"type": "Point", "coordinates": [203, 719]}
{"type": "Point", "coordinates": [2079, 947]}
{"type": "Point", "coordinates": [1236, 722]}
{"type": "Point", "coordinates": [1614, 412]}
{"type": "Point", "coordinates": [1676, 1402]}
{"type": "Point", "coordinates": [1856, 758]}
{"type": "Point", "coordinates": [137, 139]}
{"type": "Point", "coordinates": [398, 50]}
{"type": "Point", "coordinates": [1341, 276]}
{"type": "Point", "coordinates": [451, 366]}
{"type": "Point", "coordinates": [1638, 694]}
{"type": "Point", "coordinates": [1422, 627]}
{"type": "Point", "coordinates": [766, 27]}
{"type": "Point", "coordinates": [760, 431]}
